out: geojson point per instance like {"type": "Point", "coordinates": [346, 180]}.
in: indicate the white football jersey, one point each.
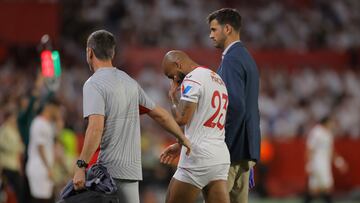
{"type": "Point", "coordinates": [206, 130]}
{"type": "Point", "coordinates": [320, 141]}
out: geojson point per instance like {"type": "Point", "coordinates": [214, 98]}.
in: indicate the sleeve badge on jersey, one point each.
{"type": "Point", "coordinates": [186, 89]}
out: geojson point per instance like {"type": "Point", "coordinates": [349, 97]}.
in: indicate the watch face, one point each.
{"type": "Point", "coordinates": [81, 163]}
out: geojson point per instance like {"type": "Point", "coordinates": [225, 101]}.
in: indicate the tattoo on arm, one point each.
{"type": "Point", "coordinates": [180, 111]}
{"type": "Point", "coordinates": [183, 106]}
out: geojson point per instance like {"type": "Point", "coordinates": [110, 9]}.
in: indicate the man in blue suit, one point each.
{"type": "Point", "coordinates": [240, 74]}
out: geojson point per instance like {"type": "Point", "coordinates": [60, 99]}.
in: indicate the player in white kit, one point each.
{"type": "Point", "coordinates": [41, 152]}
{"type": "Point", "coordinates": [320, 155]}
{"type": "Point", "coordinates": [202, 110]}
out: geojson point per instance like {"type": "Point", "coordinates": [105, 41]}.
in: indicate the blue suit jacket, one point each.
{"type": "Point", "coordinates": [242, 128]}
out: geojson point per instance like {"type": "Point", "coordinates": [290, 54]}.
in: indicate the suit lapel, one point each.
{"type": "Point", "coordinates": [219, 70]}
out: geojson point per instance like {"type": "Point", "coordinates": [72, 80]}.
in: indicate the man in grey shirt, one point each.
{"type": "Point", "coordinates": [111, 101]}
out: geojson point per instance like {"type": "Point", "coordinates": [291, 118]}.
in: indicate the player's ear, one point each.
{"type": "Point", "coordinates": [90, 52]}
{"type": "Point", "coordinates": [178, 65]}
{"type": "Point", "coordinates": [227, 29]}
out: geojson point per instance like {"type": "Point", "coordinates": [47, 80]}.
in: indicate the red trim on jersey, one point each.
{"type": "Point", "coordinates": [192, 81]}
{"type": "Point", "coordinates": [94, 158]}
{"type": "Point", "coordinates": [143, 110]}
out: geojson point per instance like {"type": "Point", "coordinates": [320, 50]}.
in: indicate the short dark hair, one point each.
{"type": "Point", "coordinates": [102, 43]}
{"type": "Point", "coordinates": [53, 102]}
{"type": "Point", "coordinates": [50, 102]}
{"type": "Point", "coordinates": [226, 16]}
{"type": "Point", "coordinates": [325, 119]}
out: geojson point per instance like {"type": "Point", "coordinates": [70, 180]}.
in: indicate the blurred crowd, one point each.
{"type": "Point", "coordinates": [300, 25]}
{"type": "Point", "coordinates": [291, 102]}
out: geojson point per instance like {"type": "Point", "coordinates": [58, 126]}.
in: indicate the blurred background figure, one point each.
{"type": "Point", "coordinates": [39, 167]}
{"type": "Point", "coordinates": [307, 52]}
{"type": "Point", "coordinates": [11, 152]}
{"type": "Point", "coordinates": [266, 157]}
{"type": "Point", "coordinates": [320, 155]}
{"type": "Point", "coordinates": [29, 108]}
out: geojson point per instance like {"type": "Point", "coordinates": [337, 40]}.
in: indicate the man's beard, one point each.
{"type": "Point", "coordinates": [181, 77]}
{"type": "Point", "coordinates": [220, 43]}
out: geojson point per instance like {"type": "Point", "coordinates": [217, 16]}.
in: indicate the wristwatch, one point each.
{"type": "Point", "coordinates": [81, 164]}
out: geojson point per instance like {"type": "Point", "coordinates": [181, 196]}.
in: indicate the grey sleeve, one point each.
{"type": "Point", "coordinates": [93, 101]}
{"type": "Point", "coordinates": [144, 99]}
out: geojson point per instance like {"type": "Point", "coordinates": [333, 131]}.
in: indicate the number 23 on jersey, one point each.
{"type": "Point", "coordinates": [219, 102]}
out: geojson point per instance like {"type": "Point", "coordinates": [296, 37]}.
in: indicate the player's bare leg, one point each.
{"type": "Point", "coordinates": [180, 192]}
{"type": "Point", "coordinates": [216, 192]}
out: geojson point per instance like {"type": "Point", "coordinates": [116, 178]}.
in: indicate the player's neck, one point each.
{"type": "Point", "coordinates": [102, 64]}
{"type": "Point", "coordinates": [192, 66]}
{"type": "Point", "coordinates": [230, 40]}
{"type": "Point", "coordinates": [45, 115]}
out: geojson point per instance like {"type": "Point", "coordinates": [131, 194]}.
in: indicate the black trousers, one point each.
{"type": "Point", "coordinates": [35, 200]}
{"type": "Point", "coordinates": [324, 196]}
{"type": "Point", "coordinates": [15, 181]}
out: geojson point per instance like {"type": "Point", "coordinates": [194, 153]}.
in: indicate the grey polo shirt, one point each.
{"type": "Point", "coordinates": [114, 94]}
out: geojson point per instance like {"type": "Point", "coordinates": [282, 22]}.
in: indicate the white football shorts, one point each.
{"type": "Point", "coordinates": [200, 177]}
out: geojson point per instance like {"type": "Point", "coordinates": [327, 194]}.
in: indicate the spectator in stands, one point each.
{"type": "Point", "coordinates": [11, 152]}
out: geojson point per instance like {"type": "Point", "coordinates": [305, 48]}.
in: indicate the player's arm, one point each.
{"type": "Point", "coordinates": [183, 110]}
{"type": "Point", "coordinates": [163, 118]}
{"type": "Point", "coordinates": [339, 162]}
{"type": "Point", "coordinates": [92, 141]}
{"type": "Point", "coordinates": [41, 150]}
{"type": "Point", "coordinates": [40, 143]}
{"type": "Point", "coordinates": [182, 117]}
{"type": "Point", "coordinates": [94, 111]}
{"type": "Point", "coordinates": [308, 156]}
{"type": "Point", "coordinates": [311, 143]}
{"type": "Point", "coordinates": [93, 136]}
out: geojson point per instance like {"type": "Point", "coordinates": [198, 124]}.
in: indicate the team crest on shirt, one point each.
{"type": "Point", "coordinates": [186, 89]}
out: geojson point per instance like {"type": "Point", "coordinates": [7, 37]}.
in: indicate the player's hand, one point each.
{"type": "Point", "coordinates": [343, 168]}
{"type": "Point", "coordinates": [174, 88]}
{"type": "Point", "coordinates": [170, 154]}
{"type": "Point", "coordinates": [341, 164]}
{"type": "Point", "coordinates": [79, 179]}
{"type": "Point", "coordinates": [50, 175]}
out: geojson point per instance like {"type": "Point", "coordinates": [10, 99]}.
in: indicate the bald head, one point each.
{"type": "Point", "coordinates": [177, 64]}
{"type": "Point", "coordinates": [175, 55]}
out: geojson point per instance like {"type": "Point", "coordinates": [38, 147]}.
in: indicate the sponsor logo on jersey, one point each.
{"type": "Point", "coordinates": [186, 89]}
